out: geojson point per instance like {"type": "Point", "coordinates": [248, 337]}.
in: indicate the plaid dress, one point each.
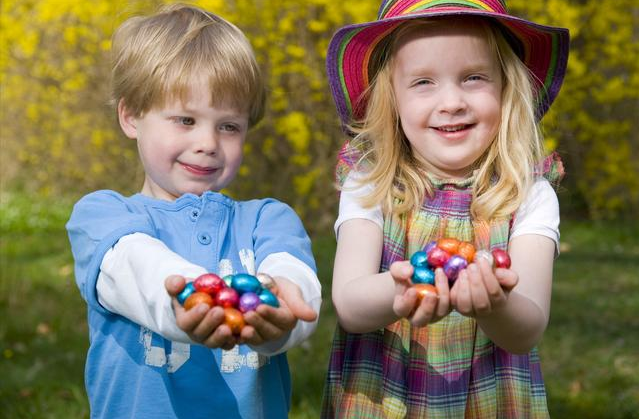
{"type": "Point", "coordinates": [449, 369]}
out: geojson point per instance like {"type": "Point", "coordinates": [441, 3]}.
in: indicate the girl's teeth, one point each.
{"type": "Point", "coordinates": [452, 129]}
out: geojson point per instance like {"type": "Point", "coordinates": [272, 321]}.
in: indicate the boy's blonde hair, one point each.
{"type": "Point", "coordinates": [158, 58]}
{"type": "Point", "coordinates": [504, 171]}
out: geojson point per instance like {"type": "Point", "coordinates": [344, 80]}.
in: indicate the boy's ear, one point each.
{"type": "Point", "coordinates": [127, 121]}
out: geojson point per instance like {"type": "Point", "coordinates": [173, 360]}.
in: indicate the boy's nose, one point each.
{"type": "Point", "coordinates": [207, 142]}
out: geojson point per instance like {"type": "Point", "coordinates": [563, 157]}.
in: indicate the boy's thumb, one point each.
{"type": "Point", "coordinates": [298, 306]}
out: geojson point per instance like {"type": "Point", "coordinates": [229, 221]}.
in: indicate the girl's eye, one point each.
{"type": "Point", "coordinates": [474, 77]}
{"type": "Point", "coordinates": [185, 120]}
{"type": "Point", "coordinates": [422, 82]}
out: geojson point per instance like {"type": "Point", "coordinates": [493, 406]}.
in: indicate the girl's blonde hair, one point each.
{"type": "Point", "coordinates": [504, 172]}
{"type": "Point", "coordinates": [157, 59]}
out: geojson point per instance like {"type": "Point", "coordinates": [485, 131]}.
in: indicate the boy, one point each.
{"type": "Point", "coordinates": [187, 89]}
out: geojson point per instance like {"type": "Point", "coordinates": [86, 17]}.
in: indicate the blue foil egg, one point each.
{"type": "Point", "coordinates": [423, 275]}
{"type": "Point", "coordinates": [227, 280]}
{"type": "Point", "coordinates": [245, 283]}
{"type": "Point", "coordinates": [419, 258]}
{"type": "Point", "coordinates": [267, 297]}
{"type": "Point", "coordinates": [188, 289]}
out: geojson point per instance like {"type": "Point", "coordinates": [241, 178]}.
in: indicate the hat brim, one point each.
{"type": "Point", "coordinates": [543, 49]}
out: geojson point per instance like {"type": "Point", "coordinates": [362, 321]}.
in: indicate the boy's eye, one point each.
{"type": "Point", "coordinates": [185, 120]}
{"type": "Point", "coordinates": [229, 128]}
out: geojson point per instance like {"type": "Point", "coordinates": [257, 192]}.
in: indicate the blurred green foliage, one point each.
{"type": "Point", "coordinates": [59, 137]}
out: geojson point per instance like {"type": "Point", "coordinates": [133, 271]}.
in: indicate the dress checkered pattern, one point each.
{"type": "Point", "coordinates": [448, 369]}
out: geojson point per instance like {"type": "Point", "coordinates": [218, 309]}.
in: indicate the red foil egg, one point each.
{"type": "Point", "coordinates": [438, 257]}
{"type": "Point", "coordinates": [227, 297]}
{"type": "Point", "coordinates": [234, 320]}
{"type": "Point", "coordinates": [197, 298]}
{"type": "Point", "coordinates": [209, 283]}
{"type": "Point", "coordinates": [502, 259]}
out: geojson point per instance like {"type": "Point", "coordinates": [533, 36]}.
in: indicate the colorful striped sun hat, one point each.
{"type": "Point", "coordinates": [543, 49]}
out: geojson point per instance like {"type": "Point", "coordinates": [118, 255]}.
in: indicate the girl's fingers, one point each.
{"type": "Point", "coordinates": [425, 311]}
{"type": "Point", "coordinates": [463, 296]}
{"type": "Point", "coordinates": [443, 303]}
{"type": "Point", "coordinates": [507, 278]}
{"type": "Point", "coordinates": [404, 303]}
{"type": "Point", "coordinates": [402, 271]}
{"type": "Point", "coordinates": [478, 289]}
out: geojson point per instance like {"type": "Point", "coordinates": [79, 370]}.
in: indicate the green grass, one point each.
{"type": "Point", "coordinates": [590, 352]}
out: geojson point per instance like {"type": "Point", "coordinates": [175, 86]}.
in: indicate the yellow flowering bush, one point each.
{"type": "Point", "coordinates": [59, 136]}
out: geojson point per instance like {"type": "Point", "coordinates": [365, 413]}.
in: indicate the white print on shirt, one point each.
{"type": "Point", "coordinates": [155, 356]}
{"type": "Point", "coordinates": [247, 258]}
{"type": "Point", "coordinates": [232, 360]}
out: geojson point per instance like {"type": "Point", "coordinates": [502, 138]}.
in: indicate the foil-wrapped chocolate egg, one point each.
{"type": "Point", "coordinates": [485, 254]}
{"type": "Point", "coordinates": [430, 246]}
{"type": "Point", "coordinates": [234, 319]}
{"type": "Point", "coordinates": [423, 290]}
{"type": "Point", "coordinates": [423, 275]}
{"type": "Point", "coordinates": [228, 279]}
{"type": "Point", "coordinates": [188, 289]}
{"type": "Point", "coordinates": [502, 259]}
{"type": "Point", "coordinates": [467, 251]}
{"type": "Point", "coordinates": [454, 265]}
{"type": "Point", "coordinates": [266, 280]}
{"type": "Point", "coordinates": [227, 297]}
{"type": "Point", "coordinates": [209, 283]}
{"type": "Point", "coordinates": [245, 283]}
{"type": "Point", "coordinates": [419, 258]}
{"type": "Point", "coordinates": [450, 245]}
{"type": "Point", "coordinates": [198, 298]}
{"type": "Point", "coordinates": [267, 297]}
{"type": "Point", "coordinates": [437, 257]}
{"type": "Point", "coordinates": [249, 302]}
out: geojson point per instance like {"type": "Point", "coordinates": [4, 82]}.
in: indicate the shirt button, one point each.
{"type": "Point", "coordinates": [194, 214]}
{"type": "Point", "coordinates": [204, 238]}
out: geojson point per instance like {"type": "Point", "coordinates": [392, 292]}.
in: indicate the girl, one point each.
{"type": "Point", "coordinates": [443, 100]}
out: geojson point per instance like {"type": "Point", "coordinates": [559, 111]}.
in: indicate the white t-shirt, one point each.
{"type": "Point", "coordinates": [538, 214]}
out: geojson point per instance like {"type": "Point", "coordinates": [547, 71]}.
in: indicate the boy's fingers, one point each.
{"type": "Point", "coordinates": [211, 320]}
{"type": "Point", "coordinates": [293, 299]}
{"type": "Point", "coordinates": [265, 329]}
{"type": "Point", "coordinates": [174, 284]}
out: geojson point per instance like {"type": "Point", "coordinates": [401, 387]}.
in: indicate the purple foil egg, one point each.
{"type": "Point", "coordinates": [249, 301]}
{"type": "Point", "coordinates": [452, 267]}
{"type": "Point", "coordinates": [430, 246]}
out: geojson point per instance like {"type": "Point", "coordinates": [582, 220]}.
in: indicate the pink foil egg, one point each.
{"type": "Point", "coordinates": [437, 257]}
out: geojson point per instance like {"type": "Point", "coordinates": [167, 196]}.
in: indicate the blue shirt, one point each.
{"type": "Point", "coordinates": [136, 373]}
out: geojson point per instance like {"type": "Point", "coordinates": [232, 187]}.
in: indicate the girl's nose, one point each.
{"type": "Point", "coordinates": [452, 99]}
